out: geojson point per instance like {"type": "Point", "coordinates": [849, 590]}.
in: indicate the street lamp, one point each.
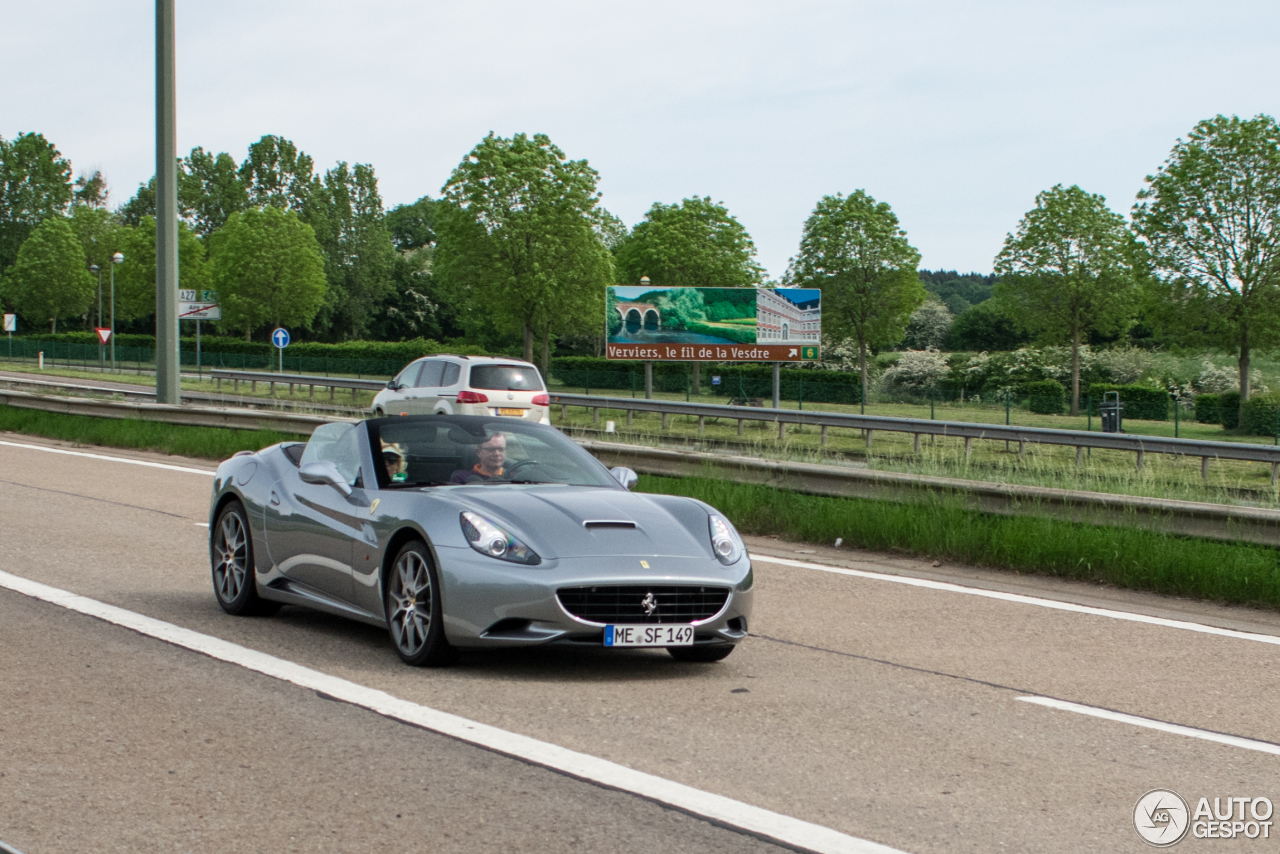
{"type": "Point", "coordinates": [115, 259]}
{"type": "Point", "coordinates": [94, 268]}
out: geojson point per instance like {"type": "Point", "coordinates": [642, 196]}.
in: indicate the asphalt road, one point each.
{"type": "Point", "coordinates": [882, 710]}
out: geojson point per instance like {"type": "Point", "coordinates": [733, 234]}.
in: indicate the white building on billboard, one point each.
{"type": "Point", "coordinates": [780, 319]}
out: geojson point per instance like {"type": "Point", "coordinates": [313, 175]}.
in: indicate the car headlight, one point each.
{"type": "Point", "coordinates": [491, 540]}
{"type": "Point", "coordinates": [725, 542]}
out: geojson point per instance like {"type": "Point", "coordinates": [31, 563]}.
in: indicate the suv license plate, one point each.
{"type": "Point", "coordinates": [648, 635]}
{"type": "Point", "coordinates": [519, 413]}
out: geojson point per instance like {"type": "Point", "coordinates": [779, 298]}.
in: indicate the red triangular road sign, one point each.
{"type": "Point", "coordinates": [104, 335]}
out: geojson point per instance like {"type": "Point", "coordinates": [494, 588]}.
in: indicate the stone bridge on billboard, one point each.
{"type": "Point", "coordinates": [640, 315]}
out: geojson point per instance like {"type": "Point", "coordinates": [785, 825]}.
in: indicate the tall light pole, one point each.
{"type": "Point", "coordinates": [115, 259]}
{"type": "Point", "coordinates": [167, 365]}
{"type": "Point", "coordinates": [94, 268]}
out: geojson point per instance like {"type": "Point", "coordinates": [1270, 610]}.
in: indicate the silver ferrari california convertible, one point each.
{"type": "Point", "coordinates": [461, 532]}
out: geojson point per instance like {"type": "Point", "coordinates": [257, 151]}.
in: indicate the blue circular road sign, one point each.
{"type": "Point", "coordinates": [280, 337]}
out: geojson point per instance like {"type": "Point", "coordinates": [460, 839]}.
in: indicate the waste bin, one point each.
{"type": "Point", "coordinates": [1112, 411]}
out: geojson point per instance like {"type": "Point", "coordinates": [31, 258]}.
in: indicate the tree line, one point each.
{"type": "Point", "coordinates": [516, 251]}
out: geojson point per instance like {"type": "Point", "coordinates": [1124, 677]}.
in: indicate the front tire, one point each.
{"type": "Point", "coordinates": [414, 611]}
{"type": "Point", "coordinates": [231, 560]}
{"type": "Point", "coordinates": [701, 654]}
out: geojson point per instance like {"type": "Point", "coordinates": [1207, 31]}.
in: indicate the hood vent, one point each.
{"type": "Point", "coordinates": [589, 524]}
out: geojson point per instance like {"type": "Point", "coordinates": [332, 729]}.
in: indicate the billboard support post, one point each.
{"type": "Point", "coordinates": [777, 385]}
{"type": "Point", "coordinates": [648, 380]}
{"type": "Point", "coordinates": [696, 381]}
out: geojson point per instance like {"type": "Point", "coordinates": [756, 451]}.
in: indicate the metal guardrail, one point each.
{"type": "Point", "coordinates": [144, 393]}
{"type": "Point", "coordinates": [291, 380]}
{"type": "Point", "coordinates": [1214, 521]}
{"type": "Point", "coordinates": [238, 419]}
{"type": "Point", "coordinates": [870, 424]}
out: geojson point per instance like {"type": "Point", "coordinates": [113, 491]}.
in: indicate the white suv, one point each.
{"type": "Point", "coordinates": [466, 385]}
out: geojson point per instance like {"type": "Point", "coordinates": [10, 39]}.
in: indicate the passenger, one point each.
{"type": "Point", "coordinates": [492, 453]}
{"type": "Point", "coordinates": [393, 459]}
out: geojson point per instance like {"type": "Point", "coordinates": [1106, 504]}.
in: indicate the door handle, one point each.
{"type": "Point", "coordinates": [275, 499]}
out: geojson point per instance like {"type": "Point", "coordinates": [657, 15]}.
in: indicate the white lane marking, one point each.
{"type": "Point", "coordinates": [1026, 600]}
{"type": "Point", "coordinates": [1176, 729]}
{"type": "Point", "coordinates": [47, 450]}
{"type": "Point", "coordinates": [717, 808]}
{"type": "Point", "coordinates": [201, 524]}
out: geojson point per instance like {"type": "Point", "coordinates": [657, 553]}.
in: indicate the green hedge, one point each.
{"type": "Point", "coordinates": [1229, 409]}
{"type": "Point", "coordinates": [1140, 402]}
{"type": "Point", "coordinates": [1207, 408]}
{"type": "Point", "coordinates": [382, 351]}
{"type": "Point", "coordinates": [1262, 415]}
{"type": "Point", "coordinates": [1046, 397]}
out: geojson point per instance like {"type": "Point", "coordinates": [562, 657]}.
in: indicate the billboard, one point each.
{"type": "Point", "coordinates": [713, 324]}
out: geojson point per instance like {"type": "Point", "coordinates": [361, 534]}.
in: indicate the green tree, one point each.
{"type": "Point", "coordinates": [413, 226]}
{"type": "Point", "coordinates": [276, 174]}
{"type": "Point", "coordinates": [346, 213]}
{"type": "Point", "coordinates": [99, 233]}
{"type": "Point", "coordinates": [1069, 271]}
{"type": "Point", "coordinates": [210, 190]}
{"type": "Point", "coordinates": [136, 276]}
{"type": "Point", "coordinates": [50, 278]}
{"type": "Point", "coordinates": [929, 324]}
{"type": "Point", "coordinates": [696, 243]}
{"type": "Point", "coordinates": [91, 190]}
{"type": "Point", "coordinates": [681, 308]}
{"type": "Point", "coordinates": [35, 184]}
{"type": "Point", "coordinates": [518, 241]}
{"type": "Point", "coordinates": [268, 270]}
{"type": "Point", "coordinates": [853, 249]}
{"type": "Point", "coordinates": [1210, 219]}
{"type": "Point", "coordinates": [985, 328]}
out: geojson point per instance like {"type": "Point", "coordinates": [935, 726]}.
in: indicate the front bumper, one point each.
{"type": "Point", "coordinates": [490, 603]}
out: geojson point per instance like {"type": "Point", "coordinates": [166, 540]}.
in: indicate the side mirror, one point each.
{"type": "Point", "coordinates": [625, 476]}
{"type": "Point", "coordinates": [393, 385]}
{"type": "Point", "coordinates": [324, 473]}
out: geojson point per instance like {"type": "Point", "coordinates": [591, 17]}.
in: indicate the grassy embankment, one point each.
{"type": "Point", "coordinates": [1228, 572]}
{"type": "Point", "coordinates": [1236, 573]}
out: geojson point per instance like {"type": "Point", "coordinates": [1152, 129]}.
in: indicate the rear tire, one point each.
{"type": "Point", "coordinates": [702, 654]}
{"type": "Point", "coordinates": [414, 612]}
{"type": "Point", "coordinates": [231, 562]}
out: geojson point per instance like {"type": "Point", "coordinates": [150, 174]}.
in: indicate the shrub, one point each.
{"type": "Point", "coordinates": [1140, 402]}
{"type": "Point", "coordinates": [1260, 415]}
{"type": "Point", "coordinates": [1046, 397]}
{"type": "Point", "coordinates": [917, 371]}
{"type": "Point", "coordinates": [1229, 409]}
{"type": "Point", "coordinates": [1207, 408]}
{"type": "Point", "coordinates": [736, 380]}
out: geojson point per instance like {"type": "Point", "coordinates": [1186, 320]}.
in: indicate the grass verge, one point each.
{"type": "Point", "coordinates": [1236, 573]}
{"type": "Point", "coordinates": [211, 443]}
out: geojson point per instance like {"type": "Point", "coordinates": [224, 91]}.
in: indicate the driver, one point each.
{"type": "Point", "coordinates": [492, 453]}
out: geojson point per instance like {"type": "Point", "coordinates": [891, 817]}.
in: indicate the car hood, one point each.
{"type": "Point", "coordinates": [574, 521]}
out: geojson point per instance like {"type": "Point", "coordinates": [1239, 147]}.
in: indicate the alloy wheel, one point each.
{"type": "Point", "coordinates": [410, 603]}
{"type": "Point", "coordinates": [231, 548]}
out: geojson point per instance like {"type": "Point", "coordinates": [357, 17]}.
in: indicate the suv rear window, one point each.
{"type": "Point", "coordinates": [506, 378]}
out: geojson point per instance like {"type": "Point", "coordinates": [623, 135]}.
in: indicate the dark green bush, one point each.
{"type": "Point", "coordinates": [736, 380]}
{"type": "Point", "coordinates": [1229, 409]}
{"type": "Point", "coordinates": [1262, 415]}
{"type": "Point", "coordinates": [1207, 408]}
{"type": "Point", "coordinates": [1046, 397]}
{"type": "Point", "coordinates": [1140, 401]}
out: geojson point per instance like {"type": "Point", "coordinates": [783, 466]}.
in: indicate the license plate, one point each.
{"type": "Point", "coordinates": [517, 412]}
{"type": "Point", "coordinates": [648, 635]}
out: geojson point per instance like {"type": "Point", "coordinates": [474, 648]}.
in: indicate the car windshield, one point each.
{"type": "Point", "coordinates": [506, 378]}
{"type": "Point", "coordinates": [452, 450]}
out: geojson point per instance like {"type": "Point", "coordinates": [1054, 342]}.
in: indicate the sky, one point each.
{"type": "Point", "coordinates": [954, 113]}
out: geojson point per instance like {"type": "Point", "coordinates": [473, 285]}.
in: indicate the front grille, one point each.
{"type": "Point", "coordinates": [625, 603]}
